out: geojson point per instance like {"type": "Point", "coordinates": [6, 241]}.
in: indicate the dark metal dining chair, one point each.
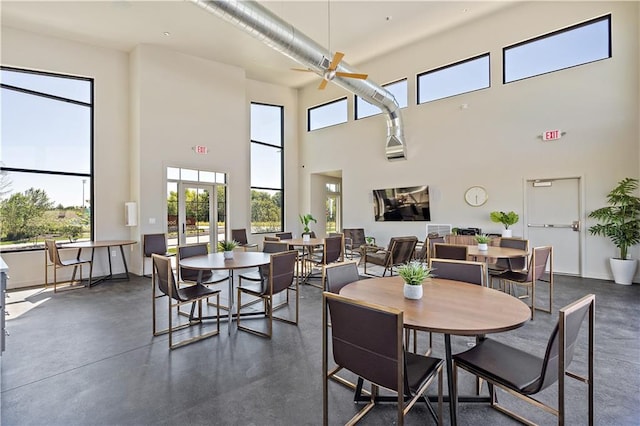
{"type": "Point", "coordinates": [523, 374]}
{"type": "Point", "coordinates": [459, 270]}
{"type": "Point", "coordinates": [399, 251]}
{"type": "Point", "coordinates": [52, 258]}
{"type": "Point", "coordinates": [240, 236]}
{"type": "Point", "coordinates": [332, 251]}
{"type": "Point", "coordinates": [513, 263]}
{"type": "Point", "coordinates": [450, 251]}
{"type": "Point", "coordinates": [191, 276]}
{"type": "Point", "coordinates": [154, 244]}
{"type": "Point", "coordinates": [366, 339]}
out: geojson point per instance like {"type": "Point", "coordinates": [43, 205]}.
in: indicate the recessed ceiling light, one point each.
{"type": "Point", "coordinates": [388, 18]}
{"type": "Point", "coordinates": [166, 33]}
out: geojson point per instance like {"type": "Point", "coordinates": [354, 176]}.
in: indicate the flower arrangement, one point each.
{"type": "Point", "coordinates": [414, 272]}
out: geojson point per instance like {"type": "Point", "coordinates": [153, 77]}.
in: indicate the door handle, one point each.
{"type": "Point", "coordinates": [576, 225]}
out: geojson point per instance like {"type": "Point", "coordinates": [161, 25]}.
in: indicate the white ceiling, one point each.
{"type": "Point", "coordinates": [361, 29]}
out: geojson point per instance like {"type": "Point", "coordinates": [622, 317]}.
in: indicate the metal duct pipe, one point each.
{"type": "Point", "coordinates": [283, 37]}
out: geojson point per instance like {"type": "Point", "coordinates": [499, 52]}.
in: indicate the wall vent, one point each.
{"type": "Point", "coordinates": [441, 230]}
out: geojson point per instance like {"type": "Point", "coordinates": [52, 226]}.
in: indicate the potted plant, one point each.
{"type": "Point", "coordinates": [371, 241]}
{"type": "Point", "coordinates": [227, 246]}
{"type": "Point", "coordinates": [483, 242]}
{"type": "Point", "coordinates": [413, 273]}
{"type": "Point", "coordinates": [620, 221]}
{"type": "Point", "coordinates": [306, 220]}
{"type": "Point", "coordinates": [507, 219]}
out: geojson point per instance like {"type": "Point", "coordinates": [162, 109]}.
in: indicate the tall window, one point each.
{"type": "Point", "coordinates": [46, 174]}
{"type": "Point", "coordinates": [577, 45]}
{"type": "Point", "coordinates": [399, 91]}
{"type": "Point", "coordinates": [462, 77]}
{"type": "Point", "coordinates": [267, 168]}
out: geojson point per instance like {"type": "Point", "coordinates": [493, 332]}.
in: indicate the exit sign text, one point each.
{"type": "Point", "coordinates": [551, 135]}
{"type": "Point", "coordinates": [200, 149]}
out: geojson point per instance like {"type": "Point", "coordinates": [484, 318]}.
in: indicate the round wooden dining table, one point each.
{"type": "Point", "coordinates": [447, 307]}
{"type": "Point", "coordinates": [216, 261]}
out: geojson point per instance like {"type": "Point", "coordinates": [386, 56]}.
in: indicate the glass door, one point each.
{"type": "Point", "coordinates": [196, 216]}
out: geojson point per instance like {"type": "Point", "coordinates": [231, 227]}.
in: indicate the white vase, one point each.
{"type": "Point", "coordinates": [483, 246]}
{"type": "Point", "coordinates": [507, 233]}
{"type": "Point", "coordinates": [623, 270]}
{"type": "Point", "coordinates": [413, 291]}
{"type": "Point", "coordinates": [228, 254]}
{"type": "Point", "coordinates": [306, 237]}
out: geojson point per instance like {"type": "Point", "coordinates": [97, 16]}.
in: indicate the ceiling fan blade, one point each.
{"type": "Point", "coordinates": [352, 75]}
{"type": "Point", "coordinates": [300, 69]}
{"type": "Point", "coordinates": [323, 84]}
{"type": "Point", "coordinates": [336, 60]}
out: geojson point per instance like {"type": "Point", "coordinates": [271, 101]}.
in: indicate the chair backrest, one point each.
{"type": "Point", "coordinates": [333, 248]}
{"type": "Point", "coordinates": [538, 263]}
{"type": "Point", "coordinates": [52, 249]}
{"type": "Point", "coordinates": [268, 238]}
{"type": "Point", "coordinates": [239, 235]}
{"type": "Point", "coordinates": [367, 340]}
{"type": "Point", "coordinates": [284, 235]}
{"type": "Point", "coordinates": [154, 244]}
{"type": "Point", "coordinates": [190, 250]}
{"type": "Point", "coordinates": [431, 242]}
{"type": "Point", "coordinates": [340, 274]}
{"type": "Point", "coordinates": [514, 262]}
{"type": "Point", "coordinates": [458, 270]}
{"type": "Point", "coordinates": [401, 249]}
{"type": "Point", "coordinates": [355, 236]}
{"type": "Point", "coordinates": [163, 277]}
{"type": "Point", "coordinates": [569, 322]}
{"type": "Point", "coordinates": [450, 251]}
{"type": "Point", "coordinates": [274, 246]}
{"type": "Point", "coordinates": [281, 271]}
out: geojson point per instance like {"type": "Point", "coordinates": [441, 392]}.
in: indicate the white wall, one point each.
{"type": "Point", "coordinates": [494, 141]}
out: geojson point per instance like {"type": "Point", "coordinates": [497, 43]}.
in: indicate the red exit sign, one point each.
{"type": "Point", "coordinates": [551, 135]}
{"type": "Point", "coordinates": [200, 149]}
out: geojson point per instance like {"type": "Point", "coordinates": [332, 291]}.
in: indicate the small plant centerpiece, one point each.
{"type": "Point", "coordinates": [507, 219]}
{"type": "Point", "coordinates": [483, 242]}
{"type": "Point", "coordinates": [413, 273]}
{"type": "Point", "coordinates": [227, 246]}
{"type": "Point", "coordinates": [370, 241]}
{"type": "Point", "coordinates": [306, 220]}
{"type": "Point", "coordinates": [620, 221]}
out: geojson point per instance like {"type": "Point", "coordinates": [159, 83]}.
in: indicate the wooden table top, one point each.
{"type": "Point", "coordinates": [447, 306]}
{"type": "Point", "coordinates": [241, 259]}
{"type": "Point", "coordinates": [495, 251]}
{"type": "Point", "coordinates": [100, 243]}
{"type": "Point", "coordinates": [301, 242]}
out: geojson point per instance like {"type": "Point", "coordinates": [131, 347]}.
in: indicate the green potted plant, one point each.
{"type": "Point", "coordinates": [413, 273]}
{"type": "Point", "coordinates": [227, 246]}
{"type": "Point", "coordinates": [620, 221]}
{"type": "Point", "coordinates": [306, 220]}
{"type": "Point", "coordinates": [483, 242]}
{"type": "Point", "coordinates": [507, 219]}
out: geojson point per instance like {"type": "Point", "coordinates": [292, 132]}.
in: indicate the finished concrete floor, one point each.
{"type": "Point", "coordinates": [88, 357]}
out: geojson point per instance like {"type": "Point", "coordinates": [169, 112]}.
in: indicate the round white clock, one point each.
{"type": "Point", "coordinates": [476, 196]}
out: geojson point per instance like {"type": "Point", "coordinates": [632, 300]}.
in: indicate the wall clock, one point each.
{"type": "Point", "coordinates": [476, 196]}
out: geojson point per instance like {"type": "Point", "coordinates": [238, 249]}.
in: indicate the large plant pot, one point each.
{"type": "Point", "coordinates": [623, 270]}
{"type": "Point", "coordinates": [412, 291]}
{"type": "Point", "coordinates": [507, 233]}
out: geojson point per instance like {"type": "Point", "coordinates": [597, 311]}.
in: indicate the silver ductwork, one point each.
{"type": "Point", "coordinates": [283, 37]}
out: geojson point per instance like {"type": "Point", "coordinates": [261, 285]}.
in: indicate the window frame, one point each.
{"type": "Point", "coordinates": [335, 101]}
{"type": "Point", "coordinates": [282, 168]}
{"type": "Point", "coordinates": [91, 174]}
{"type": "Point", "coordinates": [452, 65]}
{"type": "Point", "coordinates": [356, 97]}
{"type": "Point", "coordinates": [553, 34]}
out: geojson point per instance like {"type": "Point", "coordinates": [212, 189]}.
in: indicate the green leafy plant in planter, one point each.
{"type": "Point", "coordinates": [620, 221]}
{"type": "Point", "coordinates": [306, 220]}
{"type": "Point", "coordinates": [227, 245]}
{"type": "Point", "coordinates": [483, 239]}
{"type": "Point", "coordinates": [413, 273]}
{"type": "Point", "coordinates": [505, 218]}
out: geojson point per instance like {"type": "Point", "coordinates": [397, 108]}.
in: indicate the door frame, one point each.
{"type": "Point", "coordinates": [581, 212]}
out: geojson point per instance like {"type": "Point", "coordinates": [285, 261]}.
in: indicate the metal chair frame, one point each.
{"type": "Point", "coordinates": [52, 258]}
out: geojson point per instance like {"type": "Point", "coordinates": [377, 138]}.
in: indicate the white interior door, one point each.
{"type": "Point", "coordinates": [553, 218]}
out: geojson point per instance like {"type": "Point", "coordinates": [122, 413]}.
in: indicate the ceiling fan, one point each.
{"type": "Point", "coordinates": [330, 72]}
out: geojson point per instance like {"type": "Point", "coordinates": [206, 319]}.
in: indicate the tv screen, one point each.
{"type": "Point", "coordinates": [402, 204]}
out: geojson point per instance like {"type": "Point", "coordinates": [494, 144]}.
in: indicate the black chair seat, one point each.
{"type": "Point", "coordinates": [514, 276]}
{"type": "Point", "coordinates": [506, 365]}
{"type": "Point", "coordinates": [255, 288]}
{"type": "Point", "coordinates": [420, 368]}
{"type": "Point", "coordinates": [196, 291]}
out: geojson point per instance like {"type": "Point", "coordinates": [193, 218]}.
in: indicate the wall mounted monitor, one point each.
{"type": "Point", "coordinates": [402, 204]}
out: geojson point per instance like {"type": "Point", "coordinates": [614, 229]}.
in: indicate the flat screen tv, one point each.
{"type": "Point", "coordinates": [402, 204]}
